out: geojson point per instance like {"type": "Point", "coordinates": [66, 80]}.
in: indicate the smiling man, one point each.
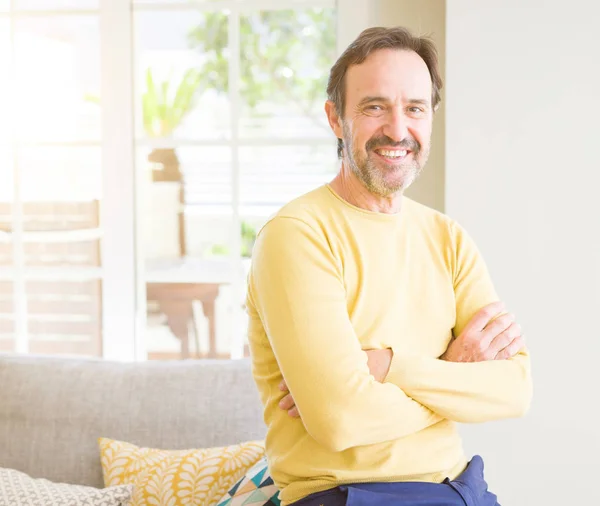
{"type": "Point", "coordinates": [374, 325]}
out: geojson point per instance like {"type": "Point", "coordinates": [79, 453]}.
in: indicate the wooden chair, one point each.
{"type": "Point", "coordinates": [63, 317]}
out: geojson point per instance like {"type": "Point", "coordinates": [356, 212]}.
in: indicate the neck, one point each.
{"type": "Point", "coordinates": [352, 190]}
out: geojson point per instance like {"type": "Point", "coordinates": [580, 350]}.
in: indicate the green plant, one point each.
{"type": "Point", "coordinates": [165, 106]}
{"type": "Point", "coordinates": [285, 56]}
{"type": "Point", "coordinates": [248, 233]}
{"type": "Point", "coordinates": [248, 238]}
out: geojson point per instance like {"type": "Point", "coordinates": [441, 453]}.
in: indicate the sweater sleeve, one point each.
{"type": "Point", "coordinates": [296, 287]}
{"type": "Point", "coordinates": [467, 392]}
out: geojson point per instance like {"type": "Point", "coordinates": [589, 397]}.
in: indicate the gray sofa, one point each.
{"type": "Point", "coordinates": [53, 410]}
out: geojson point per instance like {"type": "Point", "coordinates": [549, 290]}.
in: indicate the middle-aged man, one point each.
{"type": "Point", "coordinates": [374, 325]}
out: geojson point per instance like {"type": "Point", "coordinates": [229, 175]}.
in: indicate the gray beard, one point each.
{"type": "Point", "coordinates": [373, 177]}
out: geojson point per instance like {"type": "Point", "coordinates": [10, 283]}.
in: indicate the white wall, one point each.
{"type": "Point", "coordinates": [522, 174]}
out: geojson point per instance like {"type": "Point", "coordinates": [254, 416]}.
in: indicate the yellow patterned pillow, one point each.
{"type": "Point", "coordinates": [177, 477]}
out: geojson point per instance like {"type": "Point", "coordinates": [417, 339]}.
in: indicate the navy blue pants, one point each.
{"type": "Point", "coordinates": [468, 489]}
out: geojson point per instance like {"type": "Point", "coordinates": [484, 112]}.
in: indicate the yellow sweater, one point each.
{"type": "Point", "coordinates": [329, 280]}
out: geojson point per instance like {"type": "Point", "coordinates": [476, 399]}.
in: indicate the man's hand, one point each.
{"type": "Point", "coordinates": [379, 362]}
{"type": "Point", "coordinates": [487, 337]}
{"type": "Point", "coordinates": [287, 403]}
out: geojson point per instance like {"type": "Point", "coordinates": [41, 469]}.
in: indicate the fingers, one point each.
{"type": "Point", "coordinates": [484, 316]}
{"type": "Point", "coordinates": [497, 327]}
{"type": "Point", "coordinates": [512, 349]}
{"type": "Point", "coordinates": [503, 338]}
{"type": "Point", "coordinates": [287, 402]}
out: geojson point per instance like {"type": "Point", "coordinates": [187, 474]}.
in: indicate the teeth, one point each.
{"type": "Point", "coordinates": [393, 154]}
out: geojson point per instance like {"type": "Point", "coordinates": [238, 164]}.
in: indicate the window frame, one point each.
{"type": "Point", "coordinates": [122, 269]}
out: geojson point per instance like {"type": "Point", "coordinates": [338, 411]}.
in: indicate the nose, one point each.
{"type": "Point", "coordinates": [396, 126]}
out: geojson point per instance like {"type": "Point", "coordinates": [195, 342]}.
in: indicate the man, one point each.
{"type": "Point", "coordinates": [373, 320]}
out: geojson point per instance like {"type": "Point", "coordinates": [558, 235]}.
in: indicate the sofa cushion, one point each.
{"type": "Point", "coordinates": [255, 488]}
{"type": "Point", "coordinates": [18, 489]}
{"type": "Point", "coordinates": [177, 478]}
{"type": "Point", "coordinates": [53, 410]}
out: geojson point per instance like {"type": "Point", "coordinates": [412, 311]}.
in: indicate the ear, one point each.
{"type": "Point", "coordinates": [334, 120]}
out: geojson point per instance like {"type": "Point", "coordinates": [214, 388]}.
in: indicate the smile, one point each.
{"type": "Point", "coordinates": [392, 154]}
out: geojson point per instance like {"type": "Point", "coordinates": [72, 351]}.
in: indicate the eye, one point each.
{"type": "Point", "coordinates": [416, 109]}
{"type": "Point", "coordinates": [374, 108]}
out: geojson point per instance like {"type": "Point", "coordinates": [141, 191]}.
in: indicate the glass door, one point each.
{"type": "Point", "coordinates": [229, 126]}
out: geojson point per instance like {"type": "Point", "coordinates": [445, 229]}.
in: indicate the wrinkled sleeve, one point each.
{"type": "Point", "coordinates": [475, 391]}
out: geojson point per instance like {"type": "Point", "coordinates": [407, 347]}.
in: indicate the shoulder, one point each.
{"type": "Point", "coordinates": [308, 207]}
{"type": "Point", "coordinates": [292, 240]}
{"type": "Point", "coordinates": [303, 215]}
{"type": "Point", "coordinates": [443, 232]}
{"type": "Point", "coordinates": [431, 220]}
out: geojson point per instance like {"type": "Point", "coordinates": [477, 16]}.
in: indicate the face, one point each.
{"type": "Point", "coordinates": [386, 126]}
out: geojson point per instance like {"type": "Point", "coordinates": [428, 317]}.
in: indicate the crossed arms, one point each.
{"type": "Point", "coordinates": [302, 306]}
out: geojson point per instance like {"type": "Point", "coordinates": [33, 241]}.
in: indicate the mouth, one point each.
{"type": "Point", "coordinates": [392, 155]}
